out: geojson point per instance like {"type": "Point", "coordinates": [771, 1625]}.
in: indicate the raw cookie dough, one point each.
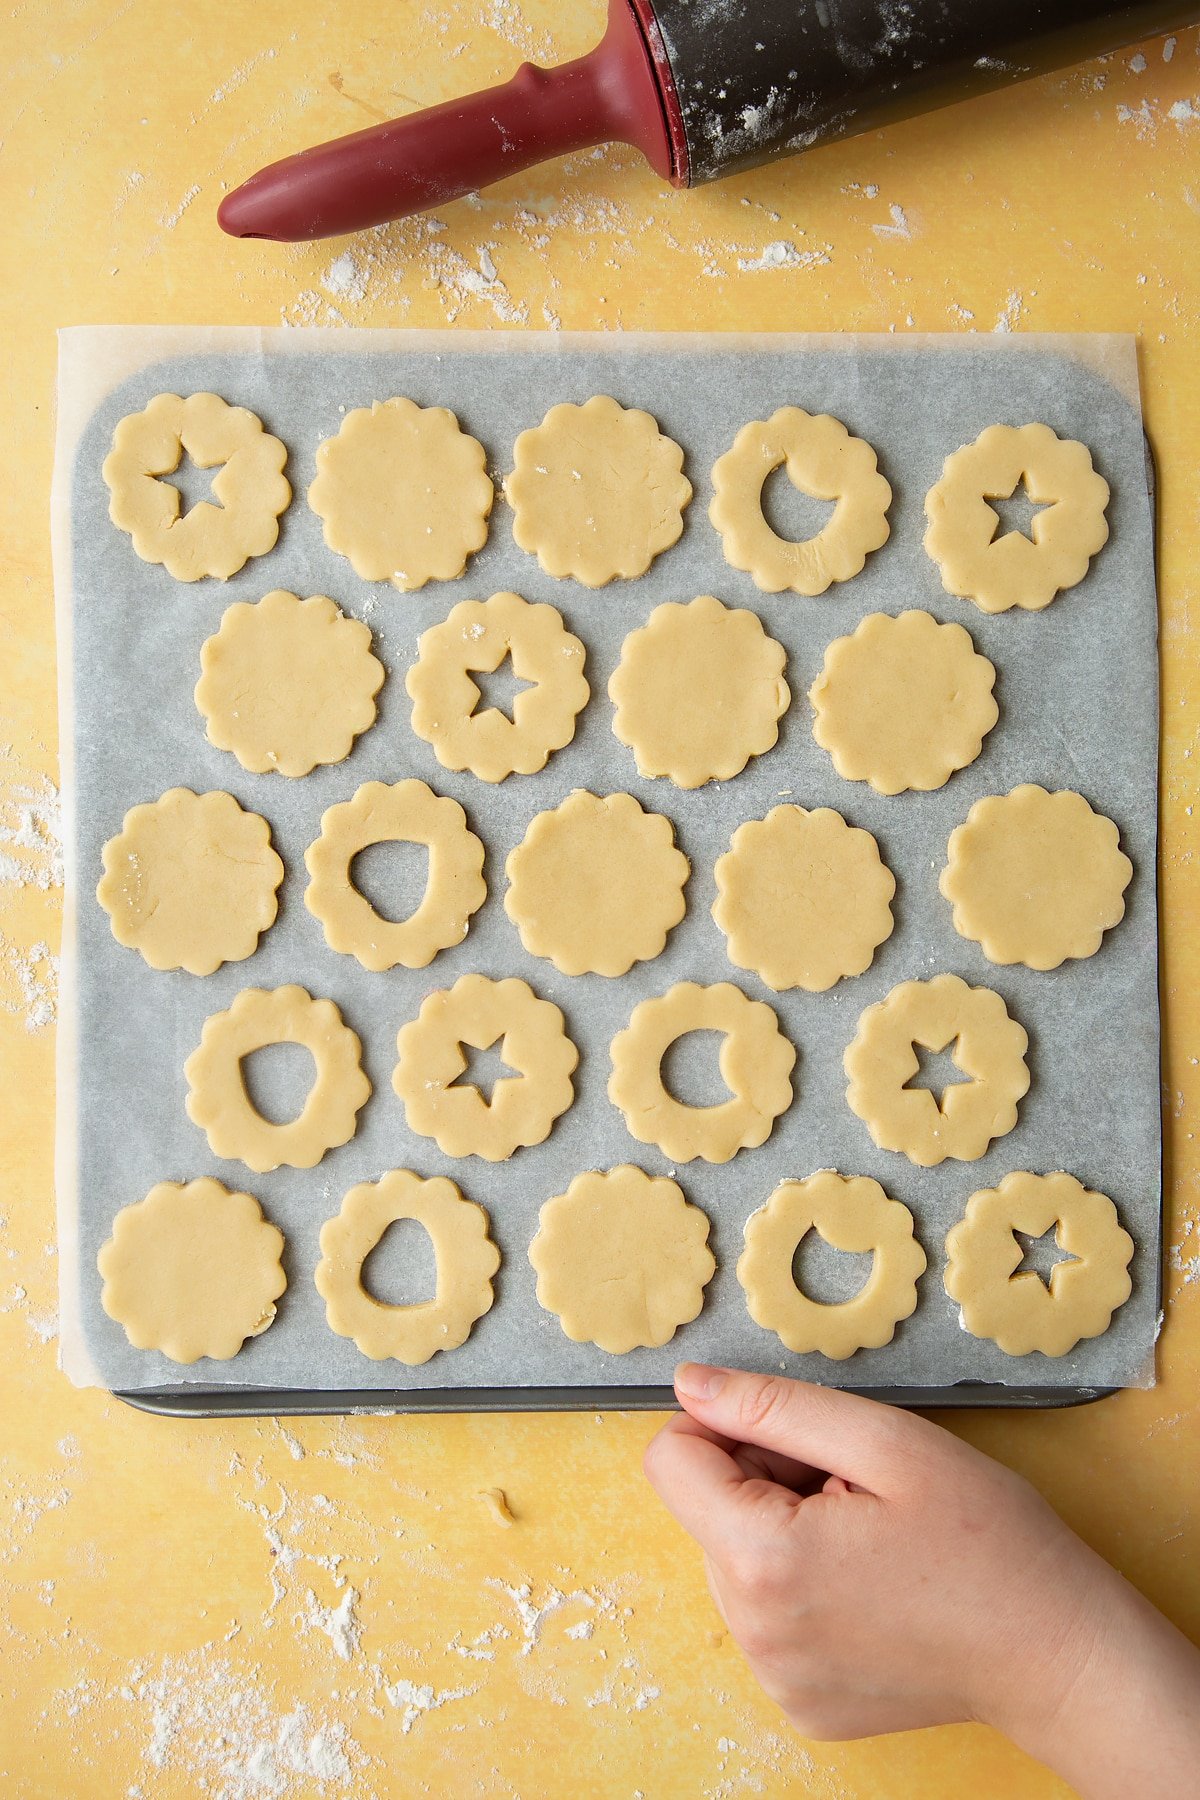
{"type": "Point", "coordinates": [622, 1259]}
{"type": "Point", "coordinates": [403, 492]}
{"type": "Point", "coordinates": [479, 1012]}
{"type": "Point", "coordinates": [987, 1045]}
{"type": "Point", "coordinates": [477, 636]}
{"type": "Point", "coordinates": [192, 1270]}
{"type": "Point", "coordinates": [1015, 570]}
{"type": "Point", "coordinates": [466, 1261]}
{"type": "Point", "coordinates": [597, 491]}
{"type": "Point", "coordinates": [408, 813]}
{"type": "Point", "coordinates": [803, 898]}
{"type": "Point", "coordinates": [596, 884]}
{"type": "Point", "coordinates": [903, 703]}
{"type": "Point", "coordinates": [190, 881]}
{"type": "Point", "coordinates": [217, 1099]}
{"type": "Point", "coordinates": [851, 1214]}
{"type": "Point", "coordinates": [756, 1063]}
{"type": "Point", "coordinates": [287, 683]}
{"type": "Point", "coordinates": [1020, 1312]}
{"type": "Point", "coordinates": [823, 461]}
{"type": "Point", "coordinates": [250, 486]}
{"type": "Point", "coordinates": [1036, 878]}
{"type": "Point", "coordinates": [699, 690]}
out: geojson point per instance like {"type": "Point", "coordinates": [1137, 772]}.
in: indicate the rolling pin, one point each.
{"type": "Point", "coordinates": [704, 88]}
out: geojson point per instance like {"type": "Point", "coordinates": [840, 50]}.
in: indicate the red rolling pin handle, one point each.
{"type": "Point", "coordinates": [434, 156]}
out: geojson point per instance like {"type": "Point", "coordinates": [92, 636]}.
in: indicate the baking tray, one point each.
{"type": "Point", "coordinates": [1078, 693]}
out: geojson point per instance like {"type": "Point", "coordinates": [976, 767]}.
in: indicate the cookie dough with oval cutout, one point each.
{"type": "Point", "coordinates": [596, 885]}
{"type": "Point", "coordinates": [287, 684]}
{"type": "Point", "coordinates": [465, 1258]}
{"type": "Point", "coordinates": [597, 491]}
{"type": "Point", "coordinates": [1001, 570]}
{"type": "Point", "coordinates": [851, 1214]}
{"type": "Point", "coordinates": [698, 691]}
{"type": "Point", "coordinates": [1036, 878]}
{"type": "Point", "coordinates": [1020, 1312]}
{"type": "Point", "coordinates": [903, 702]}
{"type": "Point", "coordinates": [622, 1259]}
{"type": "Point", "coordinates": [476, 638]}
{"type": "Point", "coordinates": [192, 1270]}
{"type": "Point", "coordinates": [249, 489]}
{"type": "Point", "coordinates": [403, 492]}
{"type": "Point", "coordinates": [823, 461]}
{"type": "Point", "coordinates": [190, 881]}
{"type": "Point", "coordinates": [479, 1013]}
{"type": "Point", "coordinates": [407, 812]}
{"type": "Point", "coordinates": [218, 1100]}
{"type": "Point", "coordinates": [803, 898]}
{"type": "Point", "coordinates": [755, 1060]}
{"type": "Point", "coordinates": [987, 1045]}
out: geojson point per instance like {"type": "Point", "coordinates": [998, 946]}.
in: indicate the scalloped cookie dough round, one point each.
{"type": "Point", "coordinates": [250, 485]}
{"type": "Point", "coordinates": [219, 1103]}
{"type": "Point", "coordinates": [190, 881]}
{"type": "Point", "coordinates": [1035, 878]}
{"type": "Point", "coordinates": [403, 492]}
{"type": "Point", "coordinates": [597, 884]}
{"type": "Point", "coordinates": [476, 638]}
{"type": "Point", "coordinates": [698, 691]}
{"type": "Point", "coordinates": [192, 1270]}
{"type": "Point", "coordinates": [987, 1045]}
{"type": "Point", "coordinates": [853, 1214]}
{"type": "Point", "coordinates": [408, 812]}
{"type": "Point", "coordinates": [597, 492]}
{"type": "Point", "coordinates": [755, 1060]}
{"type": "Point", "coordinates": [478, 1012]}
{"type": "Point", "coordinates": [465, 1256]}
{"type": "Point", "coordinates": [287, 684]}
{"type": "Point", "coordinates": [1014, 570]}
{"type": "Point", "coordinates": [622, 1259]}
{"type": "Point", "coordinates": [823, 461]}
{"type": "Point", "coordinates": [903, 702]}
{"type": "Point", "coordinates": [1020, 1312]}
{"type": "Point", "coordinates": [803, 898]}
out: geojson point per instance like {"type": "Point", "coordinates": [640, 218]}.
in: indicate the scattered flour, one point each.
{"type": "Point", "coordinates": [1010, 313]}
{"type": "Point", "coordinates": [30, 830]}
{"type": "Point", "coordinates": [899, 227]}
{"type": "Point", "coordinates": [338, 1623]}
{"type": "Point", "coordinates": [783, 254]}
{"type": "Point", "coordinates": [418, 1699]}
{"type": "Point", "coordinates": [170, 220]}
{"type": "Point", "coordinates": [29, 982]}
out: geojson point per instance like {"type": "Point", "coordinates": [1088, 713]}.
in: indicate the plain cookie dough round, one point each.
{"type": "Point", "coordinates": [597, 492]}
{"type": "Point", "coordinates": [851, 1214]}
{"type": "Point", "coordinates": [756, 1063]}
{"type": "Point", "coordinates": [823, 461]}
{"type": "Point", "coordinates": [287, 684]}
{"type": "Point", "coordinates": [1015, 570]}
{"type": "Point", "coordinates": [987, 1045]}
{"type": "Point", "coordinates": [479, 1012]}
{"type": "Point", "coordinates": [192, 1270]}
{"type": "Point", "coordinates": [622, 1259]}
{"type": "Point", "coordinates": [190, 881]}
{"type": "Point", "coordinates": [217, 1099]}
{"type": "Point", "coordinates": [403, 492]}
{"type": "Point", "coordinates": [250, 485]}
{"type": "Point", "coordinates": [477, 637]}
{"type": "Point", "coordinates": [465, 1255]}
{"type": "Point", "coordinates": [902, 703]}
{"type": "Point", "coordinates": [1036, 878]}
{"type": "Point", "coordinates": [407, 813]}
{"type": "Point", "coordinates": [803, 898]}
{"type": "Point", "coordinates": [1020, 1312]}
{"type": "Point", "coordinates": [596, 885]}
{"type": "Point", "coordinates": [698, 691]}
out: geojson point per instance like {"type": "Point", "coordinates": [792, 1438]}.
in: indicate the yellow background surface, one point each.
{"type": "Point", "coordinates": [326, 1607]}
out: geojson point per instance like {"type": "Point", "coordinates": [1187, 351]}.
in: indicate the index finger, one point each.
{"type": "Point", "coordinates": [700, 1482]}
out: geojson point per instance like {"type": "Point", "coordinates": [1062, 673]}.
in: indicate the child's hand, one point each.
{"type": "Point", "coordinates": [880, 1575]}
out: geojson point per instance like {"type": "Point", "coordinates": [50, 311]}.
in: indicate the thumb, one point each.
{"type": "Point", "coordinates": [866, 1443]}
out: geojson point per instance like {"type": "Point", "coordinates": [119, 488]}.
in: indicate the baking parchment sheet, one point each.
{"type": "Point", "coordinates": [1077, 687]}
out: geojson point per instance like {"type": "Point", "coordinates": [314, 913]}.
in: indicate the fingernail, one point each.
{"type": "Point", "coordinates": [699, 1381]}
